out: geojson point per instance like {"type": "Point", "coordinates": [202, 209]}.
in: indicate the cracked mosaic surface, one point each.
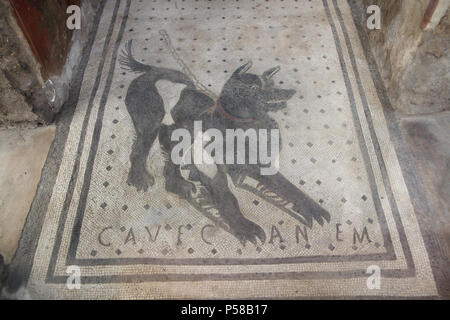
{"type": "Point", "coordinates": [336, 149]}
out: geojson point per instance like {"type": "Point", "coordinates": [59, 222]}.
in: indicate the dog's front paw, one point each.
{"type": "Point", "coordinates": [141, 180]}
{"type": "Point", "coordinates": [318, 214]}
{"type": "Point", "coordinates": [246, 230]}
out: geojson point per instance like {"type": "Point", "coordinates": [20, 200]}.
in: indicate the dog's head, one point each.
{"type": "Point", "coordinates": [247, 95]}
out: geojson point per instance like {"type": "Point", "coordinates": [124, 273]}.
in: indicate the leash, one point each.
{"type": "Point", "coordinates": [184, 68]}
{"type": "Point", "coordinates": [200, 86]}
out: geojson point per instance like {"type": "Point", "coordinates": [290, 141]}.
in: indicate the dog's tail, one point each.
{"type": "Point", "coordinates": [129, 63]}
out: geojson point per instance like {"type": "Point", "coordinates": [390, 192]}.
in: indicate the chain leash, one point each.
{"type": "Point", "coordinates": [184, 68]}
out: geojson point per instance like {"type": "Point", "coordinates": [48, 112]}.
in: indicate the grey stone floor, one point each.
{"type": "Point", "coordinates": [428, 139]}
{"type": "Point", "coordinates": [22, 155]}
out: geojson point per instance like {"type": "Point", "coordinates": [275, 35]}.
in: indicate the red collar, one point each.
{"type": "Point", "coordinates": [225, 114]}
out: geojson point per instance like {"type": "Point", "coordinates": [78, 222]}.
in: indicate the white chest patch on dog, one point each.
{"type": "Point", "coordinates": [170, 93]}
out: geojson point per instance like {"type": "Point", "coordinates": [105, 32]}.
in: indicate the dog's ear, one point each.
{"type": "Point", "coordinates": [243, 69]}
{"type": "Point", "coordinates": [271, 72]}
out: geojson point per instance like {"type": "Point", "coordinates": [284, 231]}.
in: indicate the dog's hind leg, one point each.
{"type": "Point", "coordinates": [147, 115]}
{"type": "Point", "coordinates": [138, 176]}
{"type": "Point", "coordinates": [175, 183]}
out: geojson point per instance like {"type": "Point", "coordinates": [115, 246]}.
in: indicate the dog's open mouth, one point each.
{"type": "Point", "coordinates": [278, 96]}
{"type": "Point", "coordinates": [275, 105]}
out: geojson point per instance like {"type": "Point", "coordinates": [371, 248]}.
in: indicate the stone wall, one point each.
{"type": "Point", "coordinates": [425, 82]}
{"type": "Point", "coordinates": [414, 62]}
{"type": "Point", "coordinates": [29, 96]}
{"type": "Point", "coordinates": [20, 74]}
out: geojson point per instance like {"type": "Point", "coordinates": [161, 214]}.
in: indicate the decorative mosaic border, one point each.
{"type": "Point", "coordinates": [24, 257]}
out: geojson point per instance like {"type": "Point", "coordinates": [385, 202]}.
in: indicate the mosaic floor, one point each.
{"type": "Point", "coordinates": [140, 241]}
